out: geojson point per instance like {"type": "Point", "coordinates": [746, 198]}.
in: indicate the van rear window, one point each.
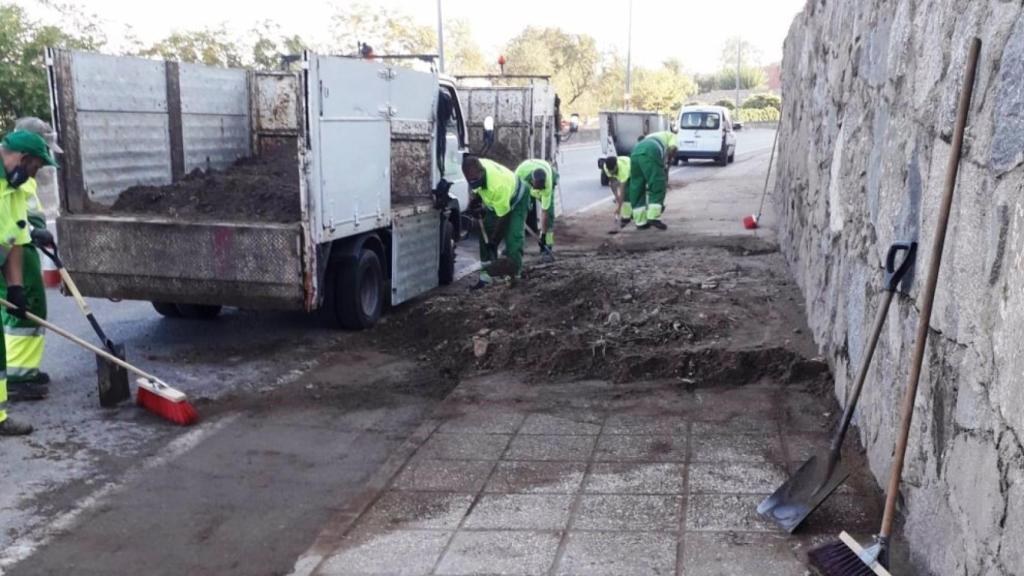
{"type": "Point", "coordinates": [700, 121]}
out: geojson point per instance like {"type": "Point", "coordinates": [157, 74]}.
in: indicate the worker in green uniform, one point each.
{"type": "Point", "coordinates": [648, 178]}
{"type": "Point", "coordinates": [541, 179]}
{"type": "Point", "coordinates": [616, 168]}
{"type": "Point", "coordinates": [23, 339]}
{"type": "Point", "coordinates": [23, 154]}
{"type": "Point", "coordinates": [504, 200]}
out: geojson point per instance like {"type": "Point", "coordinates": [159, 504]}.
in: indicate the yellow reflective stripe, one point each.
{"type": "Point", "coordinates": [653, 211]}
{"type": "Point", "coordinates": [3, 396]}
{"type": "Point", "coordinates": [24, 352]}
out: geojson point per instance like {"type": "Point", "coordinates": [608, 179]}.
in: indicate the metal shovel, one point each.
{"type": "Point", "coordinates": [112, 379]}
{"type": "Point", "coordinates": [819, 477]}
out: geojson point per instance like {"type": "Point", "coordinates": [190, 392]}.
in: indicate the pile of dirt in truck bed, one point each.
{"type": "Point", "coordinates": [260, 189]}
{"type": "Point", "coordinates": [624, 316]}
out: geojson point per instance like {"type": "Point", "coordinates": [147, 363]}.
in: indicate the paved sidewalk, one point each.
{"type": "Point", "coordinates": [599, 479]}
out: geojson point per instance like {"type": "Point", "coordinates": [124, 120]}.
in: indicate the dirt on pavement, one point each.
{"type": "Point", "coordinates": [262, 189]}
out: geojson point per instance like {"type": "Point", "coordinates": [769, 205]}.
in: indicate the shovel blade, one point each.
{"type": "Point", "coordinates": [501, 267]}
{"type": "Point", "coordinates": [112, 380]}
{"type": "Point", "coordinates": [812, 484]}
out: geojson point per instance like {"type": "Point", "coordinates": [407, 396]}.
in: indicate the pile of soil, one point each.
{"type": "Point", "coordinates": [258, 189]}
{"type": "Point", "coordinates": [621, 316]}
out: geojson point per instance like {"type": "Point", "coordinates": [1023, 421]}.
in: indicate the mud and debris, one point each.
{"type": "Point", "coordinates": [262, 189]}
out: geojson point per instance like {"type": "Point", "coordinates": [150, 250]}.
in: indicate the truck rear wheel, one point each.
{"type": "Point", "coordinates": [446, 269]}
{"type": "Point", "coordinates": [604, 178]}
{"type": "Point", "coordinates": [199, 311]}
{"type": "Point", "coordinates": [358, 292]}
{"type": "Point", "coordinates": [167, 309]}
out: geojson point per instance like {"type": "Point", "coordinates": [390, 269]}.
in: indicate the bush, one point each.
{"type": "Point", "coordinates": [762, 101]}
{"type": "Point", "coordinates": [747, 115]}
{"type": "Point", "coordinates": [726, 104]}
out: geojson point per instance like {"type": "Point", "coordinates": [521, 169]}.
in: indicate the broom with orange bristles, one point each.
{"type": "Point", "coordinates": [153, 394]}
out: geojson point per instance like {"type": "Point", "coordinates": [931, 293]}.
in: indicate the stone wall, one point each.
{"type": "Point", "coordinates": [869, 97]}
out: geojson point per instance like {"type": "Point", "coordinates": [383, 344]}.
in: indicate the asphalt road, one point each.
{"type": "Point", "coordinates": [88, 477]}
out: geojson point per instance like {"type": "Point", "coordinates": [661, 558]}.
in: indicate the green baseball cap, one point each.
{"type": "Point", "coordinates": [28, 143]}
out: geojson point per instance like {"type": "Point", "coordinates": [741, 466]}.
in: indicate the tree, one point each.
{"type": "Point", "coordinates": [750, 77]}
{"type": "Point", "coordinates": [207, 46]}
{"type": "Point", "coordinates": [706, 83]}
{"type": "Point", "coordinates": [663, 90]}
{"type": "Point", "coordinates": [269, 44]}
{"type": "Point", "coordinates": [726, 104]}
{"type": "Point", "coordinates": [762, 101]}
{"type": "Point", "coordinates": [387, 31]}
{"type": "Point", "coordinates": [570, 59]}
{"type": "Point", "coordinates": [462, 54]}
{"type": "Point", "coordinates": [750, 55]}
{"type": "Point", "coordinates": [23, 41]}
{"type": "Point", "coordinates": [751, 73]}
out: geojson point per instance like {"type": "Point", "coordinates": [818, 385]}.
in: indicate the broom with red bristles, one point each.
{"type": "Point", "coordinates": [750, 222]}
{"type": "Point", "coordinates": [153, 394]}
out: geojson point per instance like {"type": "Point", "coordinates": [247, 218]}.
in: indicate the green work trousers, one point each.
{"type": "Point", "coordinates": [647, 182]}
{"type": "Point", "coordinates": [515, 232]}
{"type": "Point", "coordinates": [23, 339]}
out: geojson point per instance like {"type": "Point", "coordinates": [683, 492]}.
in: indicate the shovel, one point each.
{"type": "Point", "coordinates": [499, 267]}
{"type": "Point", "coordinates": [112, 379]}
{"type": "Point", "coordinates": [815, 481]}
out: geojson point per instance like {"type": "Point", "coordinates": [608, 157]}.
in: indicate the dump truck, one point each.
{"type": "Point", "coordinates": [621, 130]}
{"type": "Point", "coordinates": [335, 187]}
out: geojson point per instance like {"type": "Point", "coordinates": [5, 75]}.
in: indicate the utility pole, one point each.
{"type": "Point", "coordinates": [440, 35]}
{"type": "Point", "coordinates": [739, 48]}
{"type": "Point", "coordinates": [629, 61]}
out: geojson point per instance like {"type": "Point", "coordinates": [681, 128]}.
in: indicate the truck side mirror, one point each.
{"type": "Point", "coordinates": [574, 123]}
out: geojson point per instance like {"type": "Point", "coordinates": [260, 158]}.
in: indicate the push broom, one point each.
{"type": "Point", "coordinates": [750, 222]}
{"type": "Point", "coordinates": [846, 557]}
{"type": "Point", "coordinates": [153, 394]}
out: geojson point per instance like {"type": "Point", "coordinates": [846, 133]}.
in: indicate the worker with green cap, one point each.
{"type": "Point", "coordinates": [541, 180]}
{"type": "Point", "coordinates": [23, 339]}
{"type": "Point", "coordinates": [616, 168]}
{"type": "Point", "coordinates": [648, 178]}
{"type": "Point", "coordinates": [503, 201]}
{"type": "Point", "coordinates": [23, 154]}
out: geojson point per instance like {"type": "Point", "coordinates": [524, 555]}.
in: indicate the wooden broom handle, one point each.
{"type": "Point", "coordinates": [928, 294]}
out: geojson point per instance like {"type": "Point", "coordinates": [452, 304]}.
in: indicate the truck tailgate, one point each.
{"type": "Point", "coordinates": [236, 264]}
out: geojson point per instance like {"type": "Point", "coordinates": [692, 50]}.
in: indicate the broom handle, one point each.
{"type": "Point", "coordinates": [768, 176]}
{"type": "Point", "coordinates": [928, 294]}
{"type": "Point", "coordinates": [95, 350]}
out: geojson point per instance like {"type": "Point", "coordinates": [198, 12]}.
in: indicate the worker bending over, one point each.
{"type": "Point", "coordinates": [616, 168]}
{"type": "Point", "coordinates": [504, 201]}
{"type": "Point", "coordinates": [648, 178]}
{"type": "Point", "coordinates": [541, 179]}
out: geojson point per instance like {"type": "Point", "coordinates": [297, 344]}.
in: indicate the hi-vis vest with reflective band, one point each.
{"type": "Point", "coordinates": [667, 139]}
{"type": "Point", "coordinates": [500, 189]}
{"type": "Point", "coordinates": [622, 164]}
{"type": "Point", "coordinates": [14, 215]}
{"type": "Point", "coordinates": [525, 173]}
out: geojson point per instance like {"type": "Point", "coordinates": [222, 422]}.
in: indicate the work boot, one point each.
{"type": "Point", "coordinates": [547, 257]}
{"type": "Point", "coordinates": [644, 226]}
{"type": "Point", "coordinates": [11, 427]}
{"type": "Point", "coordinates": [623, 222]}
{"type": "Point", "coordinates": [658, 224]}
{"type": "Point", "coordinates": [25, 390]}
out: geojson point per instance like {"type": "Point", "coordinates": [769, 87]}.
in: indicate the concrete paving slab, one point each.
{"type": "Point", "coordinates": [850, 512]}
{"type": "Point", "coordinates": [724, 512]}
{"type": "Point", "coordinates": [505, 553]}
{"type": "Point", "coordinates": [641, 448]}
{"type": "Point", "coordinates": [467, 476]}
{"type": "Point", "coordinates": [743, 424]}
{"type": "Point", "coordinates": [736, 553]}
{"type": "Point", "coordinates": [551, 448]}
{"type": "Point", "coordinates": [464, 446]}
{"type": "Point", "coordinates": [736, 478]}
{"type": "Point", "coordinates": [629, 513]}
{"type": "Point", "coordinates": [484, 420]}
{"type": "Point", "coordinates": [537, 478]}
{"type": "Point", "coordinates": [400, 553]}
{"type": "Point", "coordinates": [736, 448]}
{"type": "Point", "coordinates": [618, 424]}
{"type": "Point", "coordinates": [417, 511]}
{"type": "Point", "coordinates": [520, 512]}
{"type": "Point", "coordinates": [636, 478]}
{"type": "Point", "coordinates": [582, 423]}
{"type": "Point", "coordinates": [610, 554]}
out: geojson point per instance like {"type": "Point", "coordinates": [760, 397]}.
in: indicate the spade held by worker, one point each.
{"type": "Point", "coordinates": [503, 202]}
{"type": "Point", "coordinates": [541, 178]}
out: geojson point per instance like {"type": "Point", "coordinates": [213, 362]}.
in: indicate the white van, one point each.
{"type": "Point", "coordinates": [706, 132]}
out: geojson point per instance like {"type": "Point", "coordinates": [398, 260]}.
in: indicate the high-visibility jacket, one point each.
{"type": "Point", "coordinates": [667, 139]}
{"type": "Point", "coordinates": [525, 173]}
{"type": "Point", "coordinates": [621, 174]}
{"type": "Point", "coordinates": [14, 215]}
{"type": "Point", "coordinates": [501, 189]}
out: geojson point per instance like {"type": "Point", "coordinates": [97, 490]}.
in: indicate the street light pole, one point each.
{"type": "Point", "coordinates": [739, 48]}
{"type": "Point", "coordinates": [629, 60]}
{"type": "Point", "coordinates": [440, 36]}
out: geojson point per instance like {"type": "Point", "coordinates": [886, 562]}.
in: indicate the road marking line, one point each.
{"type": "Point", "coordinates": [24, 547]}
{"type": "Point", "coordinates": [592, 205]}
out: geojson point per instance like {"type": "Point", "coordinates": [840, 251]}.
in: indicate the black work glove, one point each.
{"type": "Point", "coordinates": [543, 245]}
{"type": "Point", "coordinates": [42, 237]}
{"type": "Point", "coordinates": [441, 194]}
{"type": "Point", "coordinates": [16, 296]}
{"type": "Point", "coordinates": [476, 204]}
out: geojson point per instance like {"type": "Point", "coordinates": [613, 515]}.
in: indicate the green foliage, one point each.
{"type": "Point", "coordinates": [760, 101]}
{"type": "Point", "coordinates": [462, 54]}
{"type": "Point", "coordinates": [750, 77]}
{"type": "Point", "coordinates": [726, 104]}
{"type": "Point", "coordinates": [387, 31]}
{"type": "Point", "coordinates": [746, 115]}
{"type": "Point", "coordinates": [570, 59]}
{"type": "Point", "coordinates": [269, 44]}
{"type": "Point", "coordinates": [748, 53]}
{"type": "Point", "coordinates": [206, 46]}
{"type": "Point", "coordinates": [706, 83]}
{"type": "Point", "coordinates": [23, 42]}
{"type": "Point", "coordinates": [663, 90]}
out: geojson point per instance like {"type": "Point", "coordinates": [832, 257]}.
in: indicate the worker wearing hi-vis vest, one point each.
{"type": "Point", "coordinates": [648, 178]}
{"type": "Point", "coordinates": [23, 154]}
{"type": "Point", "coordinates": [23, 339]}
{"type": "Point", "coordinates": [541, 179]}
{"type": "Point", "coordinates": [616, 168]}
{"type": "Point", "coordinates": [504, 200]}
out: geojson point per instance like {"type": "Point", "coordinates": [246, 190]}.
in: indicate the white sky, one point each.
{"type": "Point", "coordinates": [690, 30]}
